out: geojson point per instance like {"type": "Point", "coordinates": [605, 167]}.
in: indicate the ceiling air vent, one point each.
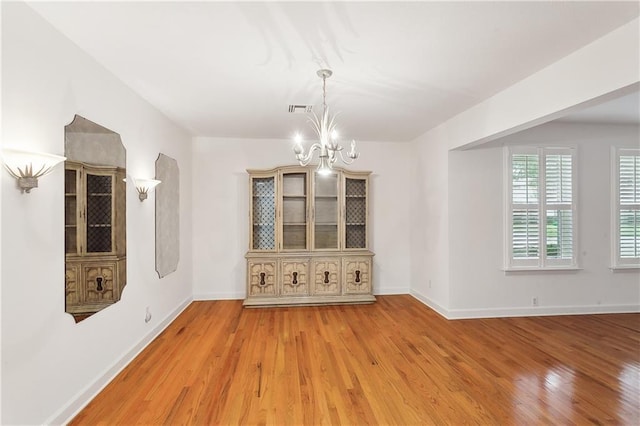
{"type": "Point", "coordinates": [300, 108]}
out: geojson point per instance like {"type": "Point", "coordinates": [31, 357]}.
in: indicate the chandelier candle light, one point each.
{"type": "Point", "coordinates": [328, 146]}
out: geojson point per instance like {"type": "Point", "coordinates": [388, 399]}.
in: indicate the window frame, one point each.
{"type": "Point", "coordinates": [618, 262]}
{"type": "Point", "coordinates": [542, 262]}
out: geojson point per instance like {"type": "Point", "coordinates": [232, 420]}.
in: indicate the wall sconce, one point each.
{"type": "Point", "coordinates": [143, 186]}
{"type": "Point", "coordinates": [27, 166]}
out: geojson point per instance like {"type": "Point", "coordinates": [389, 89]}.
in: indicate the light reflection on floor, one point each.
{"type": "Point", "coordinates": [544, 395]}
{"type": "Point", "coordinates": [629, 387]}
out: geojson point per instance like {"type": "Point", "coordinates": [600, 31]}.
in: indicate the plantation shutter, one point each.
{"type": "Point", "coordinates": [525, 225]}
{"type": "Point", "coordinates": [558, 206]}
{"type": "Point", "coordinates": [629, 206]}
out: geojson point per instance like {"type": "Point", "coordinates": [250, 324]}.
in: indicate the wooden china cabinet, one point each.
{"type": "Point", "coordinates": [95, 243]}
{"type": "Point", "coordinates": [308, 238]}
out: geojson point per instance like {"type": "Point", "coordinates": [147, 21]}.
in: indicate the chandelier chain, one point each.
{"type": "Point", "coordinates": [324, 93]}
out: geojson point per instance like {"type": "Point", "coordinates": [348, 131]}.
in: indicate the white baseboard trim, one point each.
{"type": "Point", "coordinates": [82, 398]}
{"type": "Point", "coordinates": [241, 295]}
{"type": "Point", "coordinates": [537, 311]}
{"type": "Point", "coordinates": [391, 291]}
{"type": "Point", "coordinates": [540, 311]}
{"type": "Point", "coordinates": [430, 303]}
{"type": "Point", "coordinates": [234, 295]}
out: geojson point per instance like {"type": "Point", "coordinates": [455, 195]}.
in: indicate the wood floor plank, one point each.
{"type": "Point", "coordinates": [392, 362]}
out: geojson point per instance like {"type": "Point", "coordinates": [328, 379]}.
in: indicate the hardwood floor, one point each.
{"type": "Point", "coordinates": [393, 362]}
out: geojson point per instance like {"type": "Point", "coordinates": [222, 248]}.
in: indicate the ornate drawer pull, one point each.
{"type": "Point", "coordinates": [99, 283]}
{"type": "Point", "coordinates": [326, 277]}
{"type": "Point", "coordinates": [295, 279]}
{"type": "Point", "coordinates": [262, 282]}
{"type": "Point", "coordinates": [358, 276]}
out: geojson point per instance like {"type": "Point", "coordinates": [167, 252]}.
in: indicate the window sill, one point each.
{"type": "Point", "coordinates": [545, 269]}
{"type": "Point", "coordinates": [619, 268]}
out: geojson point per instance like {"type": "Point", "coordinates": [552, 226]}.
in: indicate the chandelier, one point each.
{"type": "Point", "coordinates": [327, 146]}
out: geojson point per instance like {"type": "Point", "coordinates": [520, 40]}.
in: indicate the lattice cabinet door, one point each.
{"type": "Point", "coordinates": [326, 277]}
{"type": "Point", "coordinates": [100, 211]}
{"type": "Point", "coordinates": [262, 277]}
{"type": "Point", "coordinates": [355, 212]}
{"type": "Point", "coordinates": [295, 277]}
{"type": "Point", "coordinates": [357, 275]}
{"type": "Point", "coordinates": [263, 212]}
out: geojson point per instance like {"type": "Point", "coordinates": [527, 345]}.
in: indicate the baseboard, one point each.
{"type": "Point", "coordinates": [82, 398]}
{"type": "Point", "coordinates": [241, 295]}
{"type": "Point", "coordinates": [540, 311]}
{"type": "Point", "coordinates": [234, 295]}
{"type": "Point", "coordinates": [391, 291]}
{"type": "Point", "coordinates": [430, 303]}
{"type": "Point", "coordinates": [534, 311]}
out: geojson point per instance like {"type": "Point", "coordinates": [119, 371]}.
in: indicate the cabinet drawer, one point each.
{"type": "Point", "coordinates": [262, 278]}
{"type": "Point", "coordinates": [295, 277]}
{"type": "Point", "coordinates": [357, 275]}
{"type": "Point", "coordinates": [326, 276]}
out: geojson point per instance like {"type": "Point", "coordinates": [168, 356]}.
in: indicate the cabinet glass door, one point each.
{"type": "Point", "coordinates": [294, 211]}
{"type": "Point", "coordinates": [326, 211]}
{"type": "Point", "coordinates": [99, 213]}
{"type": "Point", "coordinates": [355, 213]}
{"type": "Point", "coordinates": [263, 213]}
{"type": "Point", "coordinates": [71, 182]}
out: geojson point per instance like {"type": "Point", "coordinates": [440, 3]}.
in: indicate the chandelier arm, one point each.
{"type": "Point", "coordinates": [346, 161]}
{"type": "Point", "coordinates": [305, 159]}
{"type": "Point", "coordinates": [332, 125]}
{"type": "Point", "coordinates": [317, 125]}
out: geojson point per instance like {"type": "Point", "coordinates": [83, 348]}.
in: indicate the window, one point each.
{"type": "Point", "coordinates": [626, 211]}
{"type": "Point", "coordinates": [541, 216]}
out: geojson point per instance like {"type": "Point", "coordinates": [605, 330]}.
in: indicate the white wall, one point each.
{"type": "Point", "coordinates": [51, 366]}
{"type": "Point", "coordinates": [429, 240]}
{"type": "Point", "coordinates": [221, 209]}
{"type": "Point", "coordinates": [479, 286]}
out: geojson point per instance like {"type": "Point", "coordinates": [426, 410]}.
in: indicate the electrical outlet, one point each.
{"type": "Point", "coordinates": [534, 301]}
{"type": "Point", "coordinates": [147, 315]}
{"type": "Point", "coordinates": [429, 283]}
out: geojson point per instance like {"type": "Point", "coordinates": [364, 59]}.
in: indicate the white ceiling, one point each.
{"type": "Point", "coordinates": [231, 69]}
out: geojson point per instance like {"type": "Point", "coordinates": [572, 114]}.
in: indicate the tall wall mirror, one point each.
{"type": "Point", "coordinates": [167, 215]}
{"type": "Point", "coordinates": [95, 218]}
